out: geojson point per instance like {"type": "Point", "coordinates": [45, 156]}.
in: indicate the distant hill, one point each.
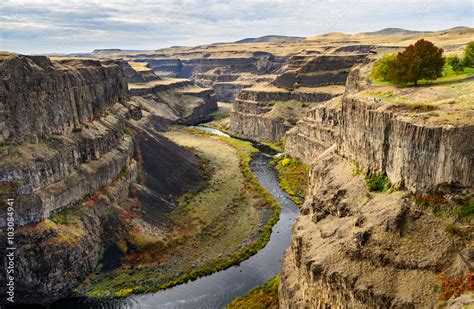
{"type": "Point", "coordinates": [390, 31]}
{"type": "Point", "coordinates": [271, 38]}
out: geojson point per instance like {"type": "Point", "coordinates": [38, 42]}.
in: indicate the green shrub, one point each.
{"type": "Point", "coordinates": [381, 69]}
{"type": "Point", "coordinates": [468, 60]}
{"type": "Point", "coordinates": [456, 64]}
{"type": "Point", "coordinates": [467, 209]}
{"type": "Point", "coordinates": [58, 218]}
{"type": "Point", "coordinates": [378, 183]}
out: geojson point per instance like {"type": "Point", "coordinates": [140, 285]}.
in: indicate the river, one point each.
{"type": "Point", "coordinates": [220, 288]}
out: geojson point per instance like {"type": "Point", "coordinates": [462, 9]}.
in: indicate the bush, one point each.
{"type": "Point", "coordinates": [382, 68]}
{"type": "Point", "coordinates": [422, 60]}
{"type": "Point", "coordinates": [378, 183]}
{"type": "Point", "coordinates": [468, 60]}
{"type": "Point", "coordinates": [456, 64]}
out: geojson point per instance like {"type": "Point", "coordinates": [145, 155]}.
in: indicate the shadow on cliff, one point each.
{"type": "Point", "coordinates": [166, 172]}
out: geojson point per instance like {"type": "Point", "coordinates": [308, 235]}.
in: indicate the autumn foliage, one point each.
{"type": "Point", "coordinates": [422, 60]}
{"type": "Point", "coordinates": [457, 286]}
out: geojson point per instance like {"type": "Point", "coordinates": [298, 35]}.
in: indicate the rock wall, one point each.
{"type": "Point", "coordinates": [352, 248]}
{"type": "Point", "coordinates": [41, 97]}
{"type": "Point", "coordinates": [141, 76]}
{"type": "Point", "coordinates": [175, 101]}
{"type": "Point", "coordinates": [52, 258]}
{"type": "Point", "coordinates": [355, 249]}
{"type": "Point", "coordinates": [316, 132]}
{"type": "Point", "coordinates": [256, 127]}
{"type": "Point", "coordinates": [64, 130]}
{"type": "Point", "coordinates": [71, 187]}
{"type": "Point", "coordinates": [309, 78]}
{"type": "Point", "coordinates": [266, 114]}
{"type": "Point", "coordinates": [425, 158]}
{"type": "Point", "coordinates": [320, 70]}
{"type": "Point", "coordinates": [225, 75]}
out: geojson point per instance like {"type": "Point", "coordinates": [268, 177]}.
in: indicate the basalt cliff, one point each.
{"type": "Point", "coordinates": [73, 146]}
{"type": "Point", "coordinates": [356, 246]}
{"type": "Point", "coordinates": [387, 222]}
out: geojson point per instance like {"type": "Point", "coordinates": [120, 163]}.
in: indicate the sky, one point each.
{"type": "Point", "coordinates": [52, 26]}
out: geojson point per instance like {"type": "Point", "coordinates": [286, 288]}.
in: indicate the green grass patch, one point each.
{"type": "Point", "coordinates": [381, 183]}
{"type": "Point", "coordinates": [356, 170]}
{"type": "Point", "coordinates": [448, 76]}
{"type": "Point", "coordinates": [261, 297]}
{"type": "Point", "coordinates": [276, 146]}
{"type": "Point", "coordinates": [293, 177]}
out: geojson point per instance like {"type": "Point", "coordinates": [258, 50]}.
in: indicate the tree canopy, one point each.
{"type": "Point", "coordinates": [468, 60]}
{"type": "Point", "coordinates": [382, 68]}
{"type": "Point", "coordinates": [422, 60]}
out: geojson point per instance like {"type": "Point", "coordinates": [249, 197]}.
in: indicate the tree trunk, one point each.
{"type": "Point", "coordinates": [416, 82]}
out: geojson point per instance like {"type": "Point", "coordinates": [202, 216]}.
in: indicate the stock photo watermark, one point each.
{"type": "Point", "coordinates": [10, 251]}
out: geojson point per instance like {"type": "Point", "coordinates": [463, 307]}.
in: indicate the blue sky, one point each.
{"type": "Point", "coordinates": [81, 26]}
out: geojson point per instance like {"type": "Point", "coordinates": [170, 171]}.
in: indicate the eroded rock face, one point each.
{"type": "Point", "coordinates": [177, 101]}
{"type": "Point", "coordinates": [70, 177]}
{"type": "Point", "coordinates": [145, 74]}
{"type": "Point", "coordinates": [316, 132]}
{"type": "Point", "coordinates": [52, 259]}
{"type": "Point", "coordinates": [63, 129]}
{"type": "Point", "coordinates": [312, 71]}
{"type": "Point", "coordinates": [225, 75]}
{"type": "Point", "coordinates": [354, 249]}
{"type": "Point", "coordinates": [65, 140]}
{"type": "Point", "coordinates": [424, 158]}
{"type": "Point", "coordinates": [309, 78]}
{"type": "Point", "coordinates": [41, 97]}
{"type": "Point", "coordinates": [266, 114]}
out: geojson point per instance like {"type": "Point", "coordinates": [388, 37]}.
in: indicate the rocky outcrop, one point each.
{"type": "Point", "coordinates": [41, 97]}
{"type": "Point", "coordinates": [70, 177]}
{"type": "Point", "coordinates": [311, 71]}
{"type": "Point", "coordinates": [163, 67]}
{"type": "Point", "coordinates": [352, 248]}
{"type": "Point", "coordinates": [257, 63]}
{"type": "Point", "coordinates": [53, 258]}
{"type": "Point", "coordinates": [309, 78]}
{"type": "Point", "coordinates": [355, 249]}
{"type": "Point", "coordinates": [266, 113]}
{"type": "Point", "coordinates": [174, 101]}
{"type": "Point", "coordinates": [316, 132]}
{"type": "Point", "coordinates": [225, 75]}
{"type": "Point", "coordinates": [425, 159]}
{"type": "Point", "coordinates": [139, 74]}
{"type": "Point", "coordinates": [63, 130]}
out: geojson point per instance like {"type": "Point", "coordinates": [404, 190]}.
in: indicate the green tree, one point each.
{"type": "Point", "coordinates": [468, 60]}
{"type": "Point", "coordinates": [422, 60]}
{"type": "Point", "coordinates": [456, 64]}
{"type": "Point", "coordinates": [382, 68]}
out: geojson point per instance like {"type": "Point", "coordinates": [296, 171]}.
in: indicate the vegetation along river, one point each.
{"type": "Point", "coordinates": [220, 288]}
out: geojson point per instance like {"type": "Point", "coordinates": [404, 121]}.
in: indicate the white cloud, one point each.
{"type": "Point", "coordinates": [44, 26]}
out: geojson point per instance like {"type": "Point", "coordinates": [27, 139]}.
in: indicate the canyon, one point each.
{"type": "Point", "coordinates": [91, 150]}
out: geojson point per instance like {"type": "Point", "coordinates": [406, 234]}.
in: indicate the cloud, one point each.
{"type": "Point", "coordinates": [78, 26]}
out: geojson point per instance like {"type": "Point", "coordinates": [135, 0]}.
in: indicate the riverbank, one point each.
{"type": "Point", "coordinates": [226, 220]}
{"type": "Point", "coordinates": [263, 296]}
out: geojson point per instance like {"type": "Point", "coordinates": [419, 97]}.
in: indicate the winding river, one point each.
{"type": "Point", "coordinates": [220, 288]}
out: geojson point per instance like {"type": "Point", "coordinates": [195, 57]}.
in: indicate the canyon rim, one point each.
{"type": "Point", "coordinates": [274, 171]}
